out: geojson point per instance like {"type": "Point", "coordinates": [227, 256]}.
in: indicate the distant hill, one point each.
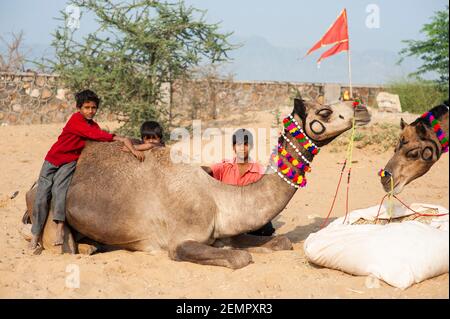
{"type": "Point", "coordinates": [257, 59]}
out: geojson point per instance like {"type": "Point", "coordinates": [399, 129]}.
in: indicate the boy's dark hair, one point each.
{"type": "Point", "coordinates": [151, 129]}
{"type": "Point", "coordinates": [243, 136]}
{"type": "Point", "coordinates": [86, 96]}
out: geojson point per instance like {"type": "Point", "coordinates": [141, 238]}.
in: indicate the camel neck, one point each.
{"type": "Point", "coordinates": [250, 207]}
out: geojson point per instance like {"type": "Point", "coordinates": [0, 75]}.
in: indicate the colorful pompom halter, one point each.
{"type": "Point", "coordinates": [292, 126]}
{"type": "Point", "coordinates": [295, 175]}
{"type": "Point", "coordinates": [357, 103]}
{"type": "Point", "coordinates": [437, 129]}
{"type": "Point", "coordinates": [384, 173]}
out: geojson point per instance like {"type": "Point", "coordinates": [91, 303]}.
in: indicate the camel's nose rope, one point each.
{"type": "Point", "coordinates": [384, 173]}
{"type": "Point", "coordinates": [349, 159]}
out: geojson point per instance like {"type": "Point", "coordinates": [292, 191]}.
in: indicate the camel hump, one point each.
{"type": "Point", "coordinates": [112, 151]}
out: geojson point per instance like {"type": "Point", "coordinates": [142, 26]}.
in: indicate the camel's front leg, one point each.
{"type": "Point", "coordinates": [260, 244]}
{"type": "Point", "coordinates": [206, 255]}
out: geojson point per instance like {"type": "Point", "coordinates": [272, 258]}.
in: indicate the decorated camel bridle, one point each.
{"type": "Point", "coordinates": [437, 130]}
{"type": "Point", "coordinates": [294, 176]}
{"type": "Point", "coordinates": [428, 116]}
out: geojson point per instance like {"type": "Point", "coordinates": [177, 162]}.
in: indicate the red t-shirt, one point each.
{"type": "Point", "coordinates": [73, 138]}
{"type": "Point", "coordinates": [228, 173]}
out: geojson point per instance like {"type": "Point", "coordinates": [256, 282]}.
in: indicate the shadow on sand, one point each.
{"type": "Point", "coordinates": [300, 233]}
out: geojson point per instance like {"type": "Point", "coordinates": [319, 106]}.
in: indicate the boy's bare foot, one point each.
{"type": "Point", "coordinates": [59, 234]}
{"type": "Point", "coordinates": [38, 250]}
{"type": "Point", "coordinates": [34, 243]}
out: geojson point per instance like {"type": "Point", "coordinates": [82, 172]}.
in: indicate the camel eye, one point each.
{"type": "Point", "coordinates": [400, 144]}
{"type": "Point", "coordinates": [427, 154]}
{"type": "Point", "coordinates": [324, 113]}
{"type": "Point", "coordinates": [412, 154]}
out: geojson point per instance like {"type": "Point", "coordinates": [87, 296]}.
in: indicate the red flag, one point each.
{"type": "Point", "coordinates": [336, 34]}
{"type": "Point", "coordinates": [342, 46]}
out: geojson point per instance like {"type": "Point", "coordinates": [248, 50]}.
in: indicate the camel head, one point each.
{"type": "Point", "coordinates": [416, 152]}
{"type": "Point", "coordinates": [323, 123]}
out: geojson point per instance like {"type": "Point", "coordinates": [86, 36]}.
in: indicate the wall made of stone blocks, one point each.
{"type": "Point", "coordinates": [203, 99]}
{"type": "Point", "coordinates": [27, 98]}
{"type": "Point", "coordinates": [30, 98]}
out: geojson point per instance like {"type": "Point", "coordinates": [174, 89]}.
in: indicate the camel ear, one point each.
{"type": "Point", "coordinates": [300, 108]}
{"type": "Point", "coordinates": [403, 124]}
{"type": "Point", "coordinates": [421, 130]}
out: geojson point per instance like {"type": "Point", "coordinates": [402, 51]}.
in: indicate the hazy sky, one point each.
{"type": "Point", "coordinates": [284, 23]}
{"type": "Point", "coordinates": [295, 23]}
{"type": "Point", "coordinates": [288, 23]}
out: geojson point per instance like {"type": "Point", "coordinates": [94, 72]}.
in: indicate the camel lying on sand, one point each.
{"type": "Point", "coordinates": [419, 147]}
{"type": "Point", "coordinates": [180, 208]}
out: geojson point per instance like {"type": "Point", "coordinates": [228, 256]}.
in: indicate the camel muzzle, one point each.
{"type": "Point", "coordinates": [362, 115]}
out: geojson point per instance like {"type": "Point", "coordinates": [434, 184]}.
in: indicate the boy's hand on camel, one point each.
{"type": "Point", "coordinates": [139, 155]}
{"type": "Point", "coordinates": [128, 147]}
{"type": "Point", "coordinates": [125, 149]}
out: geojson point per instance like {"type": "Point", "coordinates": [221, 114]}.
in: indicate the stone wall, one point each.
{"type": "Point", "coordinates": [26, 98]}
{"type": "Point", "coordinates": [29, 98]}
{"type": "Point", "coordinates": [206, 99]}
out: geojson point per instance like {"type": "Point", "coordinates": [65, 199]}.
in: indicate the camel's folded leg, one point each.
{"type": "Point", "coordinates": [85, 245]}
{"type": "Point", "coordinates": [260, 244]}
{"type": "Point", "coordinates": [49, 237]}
{"type": "Point", "coordinates": [206, 255]}
{"type": "Point", "coordinates": [70, 245]}
{"type": "Point", "coordinates": [25, 231]}
{"type": "Point", "coordinates": [86, 249]}
{"type": "Point", "coordinates": [49, 231]}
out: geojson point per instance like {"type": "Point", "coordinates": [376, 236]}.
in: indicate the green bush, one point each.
{"type": "Point", "coordinates": [418, 96]}
{"type": "Point", "coordinates": [139, 46]}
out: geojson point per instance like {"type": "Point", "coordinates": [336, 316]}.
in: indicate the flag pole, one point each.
{"type": "Point", "coordinates": [350, 73]}
{"type": "Point", "coordinates": [349, 59]}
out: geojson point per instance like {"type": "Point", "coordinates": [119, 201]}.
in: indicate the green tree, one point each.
{"type": "Point", "coordinates": [433, 51]}
{"type": "Point", "coordinates": [138, 46]}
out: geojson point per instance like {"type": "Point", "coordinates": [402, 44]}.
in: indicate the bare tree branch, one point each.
{"type": "Point", "coordinates": [12, 59]}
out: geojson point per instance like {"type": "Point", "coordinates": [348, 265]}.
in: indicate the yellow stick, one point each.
{"type": "Point", "coordinates": [390, 201]}
{"type": "Point", "coordinates": [350, 144]}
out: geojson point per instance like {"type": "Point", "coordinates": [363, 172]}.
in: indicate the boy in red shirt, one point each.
{"type": "Point", "coordinates": [60, 162]}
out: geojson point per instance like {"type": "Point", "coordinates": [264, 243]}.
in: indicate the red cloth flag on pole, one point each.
{"type": "Point", "coordinates": [341, 46]}
{"type": "Point", "coordinates": [337, 34]}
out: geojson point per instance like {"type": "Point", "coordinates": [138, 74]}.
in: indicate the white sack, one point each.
{"type": "Point", "coordinates": [401, 254]}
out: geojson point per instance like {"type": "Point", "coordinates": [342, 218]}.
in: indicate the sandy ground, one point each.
{"type": "Point", "coordinates": [123, 274]}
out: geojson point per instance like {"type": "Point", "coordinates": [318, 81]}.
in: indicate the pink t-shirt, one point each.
{"type": "Point", "coordinates": [228, 173]}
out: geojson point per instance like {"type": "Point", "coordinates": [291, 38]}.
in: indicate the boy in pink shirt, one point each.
{"type": "Point", "coordinates": [241, 170]}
